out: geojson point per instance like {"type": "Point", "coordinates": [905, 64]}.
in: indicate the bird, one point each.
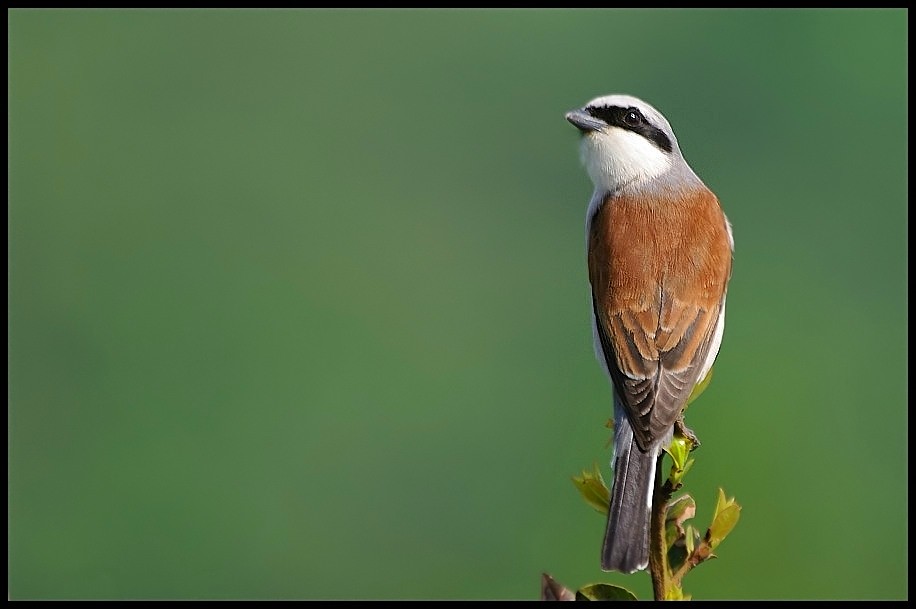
{"type": "Point", "coordinates": [660, 252]}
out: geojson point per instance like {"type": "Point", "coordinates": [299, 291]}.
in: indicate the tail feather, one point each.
{"type": "Point", "coordinates": [626, 539]}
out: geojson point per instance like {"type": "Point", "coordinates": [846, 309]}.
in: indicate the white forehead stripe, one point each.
{"type": "Point", "coordinates": [618, 100]}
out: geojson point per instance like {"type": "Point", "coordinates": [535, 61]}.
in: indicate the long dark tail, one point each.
{"type": "Point", "coordinates": [626, 539]}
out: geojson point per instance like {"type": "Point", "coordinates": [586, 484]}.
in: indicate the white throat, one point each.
{"type": "Point", "coordinates": [616, 157]}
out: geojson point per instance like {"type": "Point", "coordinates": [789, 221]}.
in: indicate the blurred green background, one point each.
{"type": "Point", "coordinates": [298, 304]}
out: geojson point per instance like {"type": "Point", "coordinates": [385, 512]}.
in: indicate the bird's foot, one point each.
{"type": "Point", "coordinates": [681, 428]}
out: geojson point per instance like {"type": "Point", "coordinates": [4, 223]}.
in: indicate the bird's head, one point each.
{"type": "Point", "coordinates": [625, 142]}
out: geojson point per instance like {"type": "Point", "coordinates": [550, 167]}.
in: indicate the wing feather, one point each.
{"type": "Point", "coordinates": [658, 291]}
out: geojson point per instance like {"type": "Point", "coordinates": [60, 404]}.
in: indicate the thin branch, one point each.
{"type": "Point", "coordinates": [658, 546]}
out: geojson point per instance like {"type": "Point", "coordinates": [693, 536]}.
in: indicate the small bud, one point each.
{"type": "Point", "coordinates": [723, 520]}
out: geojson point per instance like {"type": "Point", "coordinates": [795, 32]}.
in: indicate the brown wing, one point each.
{"type": "Point", "coordinates": [658, 273]}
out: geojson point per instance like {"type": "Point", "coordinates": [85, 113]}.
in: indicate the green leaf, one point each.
{"type": "Point", "coordinates": [677, 536]}
{"type": "Point", "coordinates": [674, 593]}
{"type": "Point", "coordinates": [691, 538]}
{"type": "Point", "coordinates": [721, 501]}
{"type": "Point", "coordinates": [679, 451]}
{"type": "Point", "coordinates": [680, 510]}
{"type": "Point", "coordinates": [724, 519]}
{"type": "Point", "coordinates": [687, 467]}
{"type": "Point", "coordinates": [699, 388]}
{"type": "Point", "coordinates": [593, 489]}
{"type": "Point", "coordinates": [604, 592]}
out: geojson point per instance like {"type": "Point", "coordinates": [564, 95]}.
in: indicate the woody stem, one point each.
{"type": "Point", "coordinates": [658, 552]}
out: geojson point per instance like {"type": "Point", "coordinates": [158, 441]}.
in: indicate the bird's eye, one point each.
{"type": "Point", "coordinates": [632, 117]}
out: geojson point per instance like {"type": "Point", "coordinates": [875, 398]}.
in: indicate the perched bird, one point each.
{"type": "Point", "coordinates": [659, 261]}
